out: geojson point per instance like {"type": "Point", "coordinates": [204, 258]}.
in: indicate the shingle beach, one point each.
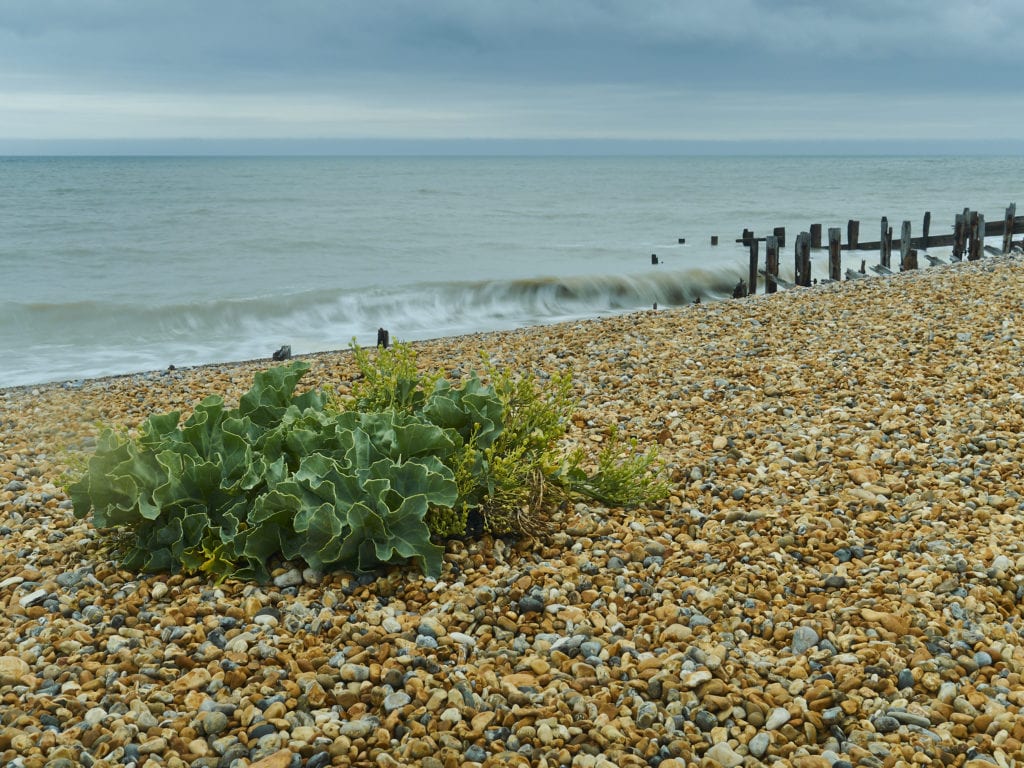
{"type": "Point", "coordinates": [837, 578]}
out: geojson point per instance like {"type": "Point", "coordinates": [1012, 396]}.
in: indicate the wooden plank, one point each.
{"type": "Point", "coordinates": [852, 234]}
{"type": "Point", "coordinates": [927, 225]}
{"type": "Point", "coordinates": [881, 270]}
{"type": "Point", "coordinates": [934, 260]}
{"type": "Point", "coordinates": [775, 280]}
{"type": "Point", "coordinates": [992, 229]}
{"type": "Point", "coordinates": [780, 235]}
{"type": "Point", "coordinates": [815, 235]}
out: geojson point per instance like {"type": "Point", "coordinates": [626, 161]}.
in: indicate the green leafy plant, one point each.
{"type": "Point", "coordinates": [357, 483]}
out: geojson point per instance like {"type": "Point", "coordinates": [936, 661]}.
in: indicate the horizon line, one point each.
{"type": "Point", "coordinates": [486, 146]}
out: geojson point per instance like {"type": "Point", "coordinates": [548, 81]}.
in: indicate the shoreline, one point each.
{"type": "Point", "coordinates": [838, 574]}
{"type": "Point", "coordinates": [456, 339]}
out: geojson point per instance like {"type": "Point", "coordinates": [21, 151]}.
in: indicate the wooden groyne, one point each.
{"type": "Point", "coordinates": [967, 240]}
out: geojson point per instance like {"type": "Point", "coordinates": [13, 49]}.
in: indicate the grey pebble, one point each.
{"type": "Point", "coordinates": [705, 720]}
{"type": "Point", "coordinates": [905, 679]}
{"type": "Point", "coordinates": [214, 723]}
{"type": "Point", "coordinates": [360, 728]}
{"type": "Point", "coordinates": [396, 700]}
{"type": "Point", "coordinates": [290, 578]}
{"type": "Point", "coordinates": [886, 724]}
{"type": "Point", "coordinates": [476, 754]}
{"type": "Point", "coordinates": [804, 638]}
{"type": "Point", "coordinates": [530, 604]}
{"type": "Point", "coordinates": [759, 744]}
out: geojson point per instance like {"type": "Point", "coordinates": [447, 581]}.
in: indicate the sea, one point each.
{"type": "Point", "coordinates": [113, 265]}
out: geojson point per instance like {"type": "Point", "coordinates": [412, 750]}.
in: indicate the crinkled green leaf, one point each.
{"type": "Point", "coordinates": [474, 410]}
{"type": "Point", "coordinates": [271, 393]}
{"type": "Point", "coordinates": [202, 430]}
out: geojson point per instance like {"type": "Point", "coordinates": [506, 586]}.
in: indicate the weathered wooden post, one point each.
{"type": "Point", "coordinates": [383, 338]}
{"type": "Point", "coordinates": [654, 258]}
{"type": "Point", "coordinates": [752, 283]}
{"type": "Point", "coordinates": [959, 236]}
{"type": "Point", "coordinates": [909, 261]}
{"type": "Point", "coordinates": [1011, 213]}
{"type": "Point", "coordinates": [977, 236]}
{"type": "Point", "coordinates": [904, 244]}
{"type": "Point", "coordinates": [852, 234]}
{"type": "Point", "coordinates": [803, 259]}
{"type": "Point", "coordinates": [771, 266]}
{"type": "Point", "coordinates": [835, 262]}
{"type": "Point", "coordinates": [884, 248]}
{"type": "Point", "coordinates": [780, 235]}
{"type": "Point", "coordinates": [927, 225]}
{"type": "Point", "coordinates": [714, 239]}
{"type": "Point", "coordinates": [815, 235]}
{"type": "Point", "coordinates": [748, 235]}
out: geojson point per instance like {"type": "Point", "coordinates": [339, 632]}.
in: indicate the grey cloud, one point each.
{"type": "Point", "coordinates": [492, 67]}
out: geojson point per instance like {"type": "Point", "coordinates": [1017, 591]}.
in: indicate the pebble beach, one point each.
{"type": "Point", "coordinates": [837, 578]}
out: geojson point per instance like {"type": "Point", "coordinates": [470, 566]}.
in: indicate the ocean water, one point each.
{"type": "Point", "coordinates": [114, 265]}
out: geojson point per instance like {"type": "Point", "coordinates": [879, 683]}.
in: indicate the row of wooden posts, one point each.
{"type": "Point", "coordinates": [967, 239]}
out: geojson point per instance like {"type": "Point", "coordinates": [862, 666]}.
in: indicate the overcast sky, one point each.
{"type": "Point", "coordinates": [666, 70]}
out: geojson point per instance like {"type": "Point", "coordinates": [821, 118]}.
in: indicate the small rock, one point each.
{"type": "Point", "coordinates": [396, 700]}
{"type": "Point", "coordinates": [759, 744]}
{"type": "Point", "coordinates": [908, 718]}
{"type": "Point", "coordinates": [214, 723]}
{"type": "Point", "coordinates": [32, 598]}
{"type": "Point", "coordinates": [159, 590]}
{"type": "Point", "coordinates": [723, 754]}
{"type": "Point", "coordinates": [530, 604]}
{"type": "Point", "coordinates": [290, 578]}
{"type": "Point", "coordinates": [777, 718]}
{"type": "Point", "coordinates": [12, 669]}
{"type": "Point", "coordinates": [705, 720]}
{"type": "Point", "coordinates": [431, 627]}
{"type": "Point", "coordinates": [358, 729]}
{"type": "Point", "coordinates": [647, 714]}
{"type": "Point", "coordinates": [695, 678]}
{"type": "Point", "coordinates": [354, 673]}
{"type": "Point", "coordinates": [886, 724]}
{"type": "Point", "coordinates": [280, 759]}
{"type": "Point", "coordinates": [476, 754]}
{"type": "Point", "coordinates": [463, 639]}
{"type": "Point", "coordinates": [94, 716]}
{"type": "Point", "coordinates": [804, 638]}
{"type": "Point", "coordinates": [153, 746]}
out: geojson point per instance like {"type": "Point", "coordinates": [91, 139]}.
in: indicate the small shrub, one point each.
{"type": "Point", "coordinates": [355, 483]}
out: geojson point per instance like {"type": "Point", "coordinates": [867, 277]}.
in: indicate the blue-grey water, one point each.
{"type": "Point", "coordinates": [113, 265]}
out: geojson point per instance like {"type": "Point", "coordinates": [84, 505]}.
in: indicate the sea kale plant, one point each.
{"type": "Point", "coordinates": [381, 476]}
